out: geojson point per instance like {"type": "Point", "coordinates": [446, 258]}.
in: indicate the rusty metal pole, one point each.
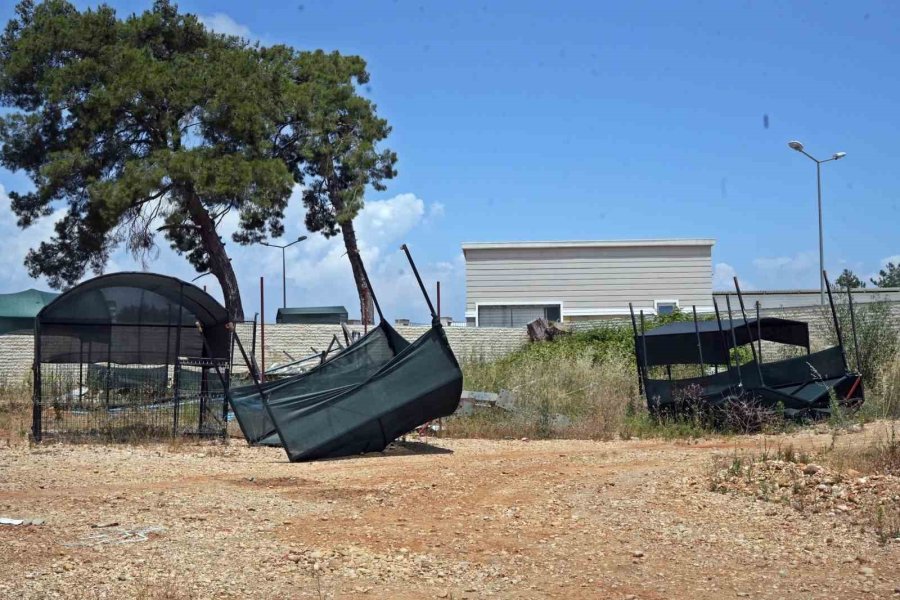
{"type": "Point", "coordinates": [439, 299]}
{"type": "Point", "coordinates": [262, 330]}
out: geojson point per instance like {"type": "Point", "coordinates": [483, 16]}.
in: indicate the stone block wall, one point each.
{"type": "Point", "coordinates": [486, 343]}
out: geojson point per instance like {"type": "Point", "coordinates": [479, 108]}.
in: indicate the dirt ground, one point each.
{"type": "Point", "coordinates": [447, 519]}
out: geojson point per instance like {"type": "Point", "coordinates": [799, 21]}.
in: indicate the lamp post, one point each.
{"type": "Point", "coordinates": [795, 145]}
{"type": "Point", "coordinates": [284, 266]}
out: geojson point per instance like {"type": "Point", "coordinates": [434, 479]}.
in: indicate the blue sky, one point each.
{"type": "Point", "coordinates": [584, 120]}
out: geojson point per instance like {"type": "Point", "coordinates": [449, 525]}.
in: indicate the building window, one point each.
{"type": "Point", "coordinates": [666, 307]}
{"type": "Point", "coordinates": [516, 315]}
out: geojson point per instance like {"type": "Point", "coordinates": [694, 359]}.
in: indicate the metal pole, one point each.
{"type": "Point", "coordinates": [722, 335]}
{"type": "Point", "coordinates": [699, 345]}
{"type": "Point", "coordinates": [36, 407]}
{"type": "Point", "coordinates": [853, 326]}
{"type": "Point", "coordinates": [439, 299]}
{"type": "Point", "coordinates": [262, 330]}
{"type": "Point", "coordinates": [759, 331]}
{"type": "Point", "coordinates": [434, 316]}
{"type": "Point", "coordinates": [637, 357]}
{"type": "Point", "coordinates": [176, 375]}
{"type": "Point", "coordinates": [644, 347]}
{"type": "Point", "coordinates": [821, 239]}
{"type": "Point", "coordinates": [734, 344]}
{"type": "Point", "coordinates": [737, 288]}
{"type": "Point", "coordinates": [283, 279]}
{"type": "Point", "coordinates": [837, 324]}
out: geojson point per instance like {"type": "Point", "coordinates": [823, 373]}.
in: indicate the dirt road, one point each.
{"type": "Point", "coordinates": [453, 519]}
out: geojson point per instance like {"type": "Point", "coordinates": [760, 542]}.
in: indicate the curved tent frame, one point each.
{"type": "Point", "coordinates": [127, 343]}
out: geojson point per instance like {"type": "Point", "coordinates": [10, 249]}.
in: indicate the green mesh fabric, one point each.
{"type": "Point", "coordinates": [421, 383]}
{"type": "Point", "coordinates": [353, 365]}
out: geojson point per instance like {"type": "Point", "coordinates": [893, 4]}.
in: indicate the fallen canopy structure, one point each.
{"type": "Point", "coordinates": [803, 385]}
{"type": "Point", "coordinates": [354, 365]}
{"type": "Point", "coordinates": [378, 389]}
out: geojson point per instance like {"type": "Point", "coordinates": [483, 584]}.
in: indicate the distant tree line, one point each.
{"type": "Point", "coordinates": [888, 277]}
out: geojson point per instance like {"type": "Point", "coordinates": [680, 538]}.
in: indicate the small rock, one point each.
{"type": "Point", "coordinates": [105, 524]}
{"type": "Point", "coordinates": [811, 469]}
{"type": "Point", "coordinates": [867, 571]}
{"type": "Point", "coordinates": [638, 553]}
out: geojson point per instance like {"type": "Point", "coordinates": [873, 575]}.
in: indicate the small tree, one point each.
{"type": "Point", "coordinates": [889, 276]}
{"type": "Point", "coordinates": [848, 279]}
{"type": "Point", "coordinates": [130, 122]}
{"type": "Point", "coordinates": [330, 138]}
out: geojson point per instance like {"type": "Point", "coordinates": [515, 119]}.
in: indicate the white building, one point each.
{"type": "Point", "coordinates": [509, 284]}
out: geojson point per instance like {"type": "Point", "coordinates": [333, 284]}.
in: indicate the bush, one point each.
{"type": "Point", "coordinates": [877, 335]}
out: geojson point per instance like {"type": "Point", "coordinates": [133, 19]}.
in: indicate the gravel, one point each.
{"type": "Point", "coordinates": [454, 519]}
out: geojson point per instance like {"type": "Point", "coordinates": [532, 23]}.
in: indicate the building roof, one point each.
{"type": "Point", "coordinates": [587, 244]}
{"type": "Point", "coordinates": [313, 310]}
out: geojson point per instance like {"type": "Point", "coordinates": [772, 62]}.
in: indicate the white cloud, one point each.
{"type": "Point", "coordinates": [723, 276]}
{"type": "Point", "coordinates": [223, 23]}
{"type": "Point", "coordinates": [780, 272]}
{"type": "Point", "coordinates": [318, 272]}
{"type": "Point", "coordinates": [15, 244]}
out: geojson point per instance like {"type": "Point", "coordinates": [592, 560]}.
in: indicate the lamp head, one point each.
{"type": "Point", "coordinates": [839, 155]}
{"type": "Point", "coordinates": [795, 145]}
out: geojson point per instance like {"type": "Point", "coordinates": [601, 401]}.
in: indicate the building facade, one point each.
{"type": "Point", "coordinates": [509, 284]}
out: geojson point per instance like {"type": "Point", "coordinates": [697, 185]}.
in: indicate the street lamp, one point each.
{"type": "Point", "coordinates": [795, 145]}
{"type": "Point", "coordinates": [284, 267]}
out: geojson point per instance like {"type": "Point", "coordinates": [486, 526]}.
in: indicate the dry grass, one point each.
{"type": "Point", "coordinates": [879, 455]}
{"type": "Point", "coordinates": [884, 396]}
{"type": "Point", "coordinates": [15, 413]}
{"type": "Point", "coordinates": [555, 396]}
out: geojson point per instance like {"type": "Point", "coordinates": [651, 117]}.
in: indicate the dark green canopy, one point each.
{"type": "Point", "coordinates": [349, 416]}
{"type": "Point", "coordinates": [17, 311]}
{"type": "Point", "coordinates": [354, 365]}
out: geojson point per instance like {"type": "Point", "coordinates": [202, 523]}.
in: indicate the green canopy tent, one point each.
{"type": "Point", "coordinates": [18, 310]}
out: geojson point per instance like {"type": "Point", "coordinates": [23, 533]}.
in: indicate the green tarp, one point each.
{"type": "Point", "coordinates": [421, 383]}
{"type": "Point", "coordinates": [353, 365]}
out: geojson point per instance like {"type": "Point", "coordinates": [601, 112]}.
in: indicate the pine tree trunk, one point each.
{"type": "Point", "coordinates": [356, 265]}
{"type": "Point", "coordinates": [219, 265]}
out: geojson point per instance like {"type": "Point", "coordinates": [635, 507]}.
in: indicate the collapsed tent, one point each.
{"type": "Point", "coordinates": [354, 365]}
{"type": "Point", "coordinates": [422, 383]}
{"type": "Point", "coordinates": [378, 389]}
{"type": "Point", "coordinates": [802, 386]}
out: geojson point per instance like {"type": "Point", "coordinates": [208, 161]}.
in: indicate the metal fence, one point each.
{"type": "Point", "coordinates": [125, 402]}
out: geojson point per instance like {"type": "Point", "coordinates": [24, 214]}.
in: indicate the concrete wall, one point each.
{"type": "Point", "coordinates": [819, 320]}
{"type": "Point", "coordinates": [17, 351]}
{"type": "Point", "coordinates": [467, 342]}
{"type": "Point", "coordinates": [589, 278]}
{"type": "Point", "coordinates": [16, 356]}
{"type": "Point", "coordinates": [787, 299]}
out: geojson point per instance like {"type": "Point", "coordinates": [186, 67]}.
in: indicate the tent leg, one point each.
{"type": "Point", "coordinates": [637, 358]}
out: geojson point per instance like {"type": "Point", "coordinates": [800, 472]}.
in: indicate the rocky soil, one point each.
{"type": "Point", "coordinates": [448, 519]}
